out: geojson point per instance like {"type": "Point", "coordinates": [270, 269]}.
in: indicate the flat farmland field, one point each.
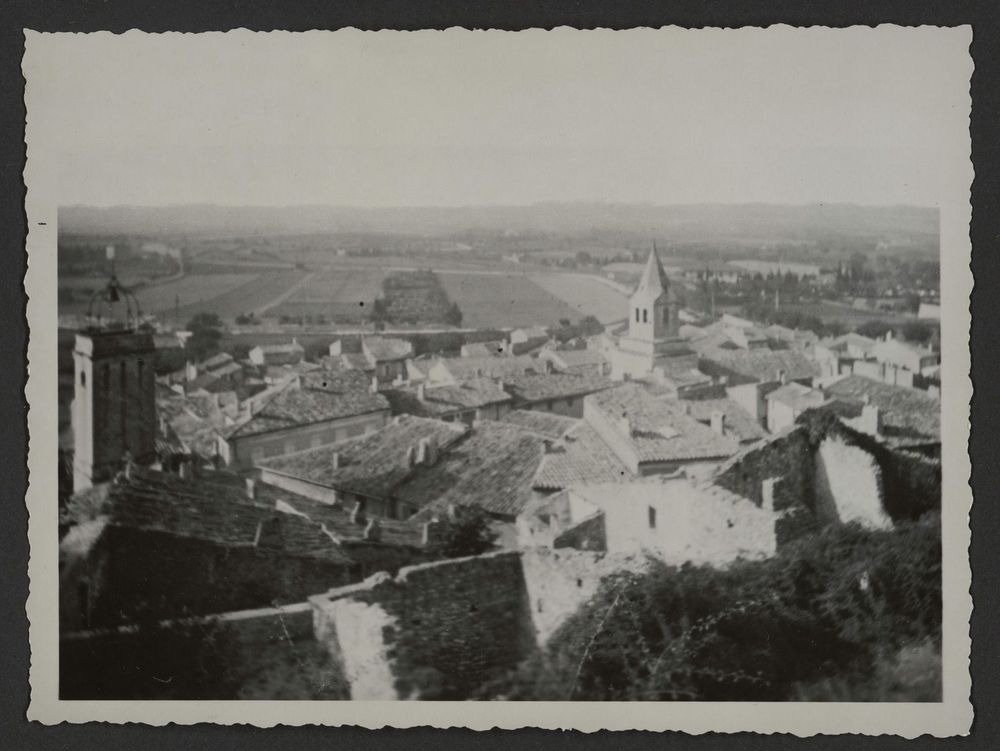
{"type": "Point", "coordinates": [586, 295]}
{"type": "Point", "coordinates": [259, 290]}
{"type": "Point", "coordinates": [192, 290]}
{"type": "Point", "coordinates": [495, 300]}
{"type": "Point", "coordinates": [335, 294]}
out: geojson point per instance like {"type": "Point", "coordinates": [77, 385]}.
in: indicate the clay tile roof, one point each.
{"type": "Point", "coordinates": [575, 358]}
{"type": "Point", "coordinates": [370, 465]}
{"type": "Point", "coordinates": [545, 424]}
{"type": "Point", "coordinates": [660, 431]}
{"type": "Point", "coordinates": [797, 396]}
{"type": "Point", "coordinates": [582, 456]}
{"type": "Point", "coordinates": [216, 361]}
{"type": "Point", "coordinates": [342, 396]}
{"type": "Point", "coordinates": [387, 348]}
{"type": "Point", "coordinates": [492, 468]}
{"type": "Point", "coordinates": [445, 400]}
{"type": "Point", "coordinates": [761, 364]}
{"type": "Point", "coordinates": [739, 423]}
{"type": "Point", "coordinates": [214, 507]}
{"type": "Point", "coordinates": [909, 415]}
{"type": "Point", "coordinates": [464, 368]}
{"type": "Point", "coordinates": [535, 387]}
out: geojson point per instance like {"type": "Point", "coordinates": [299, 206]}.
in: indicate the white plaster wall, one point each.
{"type": "Point", "coordinates": [362, 650]}
{"type": "Point", "coordinates": [849, 484]}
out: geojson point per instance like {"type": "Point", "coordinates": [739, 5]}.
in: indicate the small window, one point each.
{"type": "Point", "coordinates": [644, 313]}
{"type": "Point", "coordinates": [579, 582]}
{"type": "Point", "coordinates": [652, 518]}
{"type": "Point", "coordinates": [83, 378]}
{"type": "Point", "coordinates": [637, 315]}
{"type": "Point", "coordinates": [538, 606]}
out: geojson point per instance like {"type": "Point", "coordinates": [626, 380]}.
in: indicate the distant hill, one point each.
{"type": "Point", "coordinates": [757, 222]}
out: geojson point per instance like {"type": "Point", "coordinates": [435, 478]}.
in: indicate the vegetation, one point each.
{"type": "Point", "coordinates": [836, 615]}
{"type": "Point", "coordinates": [184, 659]}
{"type": "Point", "coordinates": [414, 297]}
{"type": "Point", "coordinates": [586, 326]}
{"type": "Point", "coordinates": [468, 533]}
{"type": "Point", "coordinates": [206, 333]}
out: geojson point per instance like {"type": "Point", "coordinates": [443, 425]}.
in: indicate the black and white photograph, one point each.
{"type": "Point", "coordinates": [373, 372]}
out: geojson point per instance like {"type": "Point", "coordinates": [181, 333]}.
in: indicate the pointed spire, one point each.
{"type": "Point", "coordinates": [654, 279]}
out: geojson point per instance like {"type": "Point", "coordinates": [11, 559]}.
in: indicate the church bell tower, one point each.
{"type": "Point", "coordinates": [114, 406]}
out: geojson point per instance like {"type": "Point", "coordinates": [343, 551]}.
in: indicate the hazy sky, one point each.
{"type": "Point", "coordinates": [460, 118]}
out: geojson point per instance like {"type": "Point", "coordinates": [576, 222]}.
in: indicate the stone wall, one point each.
{"type": "Point", "coordinates": [785, 455]}
{"type": "Point", "coordinates": [849, 485]}
{"type": "Point", "coordinates": [437, 630]}
{"type": "Point", "coordinates": [559, 582]}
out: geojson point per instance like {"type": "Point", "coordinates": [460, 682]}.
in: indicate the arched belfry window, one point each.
{"type": "Point", "coordinates": [637, 315]}
{"type": "Point", "coordinates": [644, 312]}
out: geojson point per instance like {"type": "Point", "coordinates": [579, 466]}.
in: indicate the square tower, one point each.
{"type": "Point", "coordinates": [114, 405]}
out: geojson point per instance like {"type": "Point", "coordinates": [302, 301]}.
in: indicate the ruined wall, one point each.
{"type": "Point", "coordinates": [788, 458]}
{"type": "Point", "coordinates": [849, 485]}
{"type": "Point", "coordinates": [438, 630]}
{"type": "Point", "coordinates": [559, 582]}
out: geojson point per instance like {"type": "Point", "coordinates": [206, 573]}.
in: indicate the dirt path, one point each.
{"type": "Point", "coordinates": [261, 309]}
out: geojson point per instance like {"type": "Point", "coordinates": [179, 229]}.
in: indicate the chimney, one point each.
{"type": "Point", "coordinates": [888, 335]}
{"type": "Point", "coordinates": [500, 384]}
{"type": "Point", "coordinates": [356, 513]}
{"type": "Point", "coordinates": [251, 486]}
{"type": "Point", "coordinates": [546, 365]}
{"type": "Point", "coordinates": [782, 377]}
{"type": "Point", "coordinates": [335, 460]}
{"type": "Point", "coordinates": [422, 451]}
{"type": "Point", "coordinates": [190, 371]}
{"type": "Point", "coordinates": [372, 531]}
{"type": "Point", "coordinates": [871, 420]}
{"type": "Point", "coordinates": [421, 392]}
{"type": "Point", "coordinates": [375, 384]}
{"type": "Point", "coordinates": [547, 446]}
{"type": "Point", "coordinates": [719, 422]}
{"type": "Point", "coordinates": [411, 456]}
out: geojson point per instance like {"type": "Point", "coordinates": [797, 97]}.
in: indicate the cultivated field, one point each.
{"type": "Point", "coordinates": [189, 290]}
{"type": "Point", "coordinates": [335, 294]}
{"type": "Point", "coordinates": [496, 300]}
{"type": "Point", "coordinates": [586, 295]}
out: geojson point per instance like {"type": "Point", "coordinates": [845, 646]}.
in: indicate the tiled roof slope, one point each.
{"type": "Point", "coordinates": [907, 414]}
{"type": "Point", "coordinates": [660, 431]}
{"type": "Point", "coordinates": [387, 348]}
{"type": "Point", "coordinates": [322, 396]}
{"type": "Point", "coordinates": [492, 468]}
{"type": "Point", "coordinates": [464, 368]}
{"type": "Point", "coordinates": [370, 465]}
{"type": "Point", "coordinates": [536, 387]}
{"type": "Point", "coordinates": [447, 399]}
{"type": "Point", "coordinates": [580, 457]}
{"type": "Point", "coordinates": [546, 424]}
{"type": "Point", "coordinates": [797, 396]}
{"type": "Point", "coordinates": [739, 423]}
{"type": "Point", "coordinates": [214, 507]}
{"type": "Point", "coordinates": [760, 364]}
